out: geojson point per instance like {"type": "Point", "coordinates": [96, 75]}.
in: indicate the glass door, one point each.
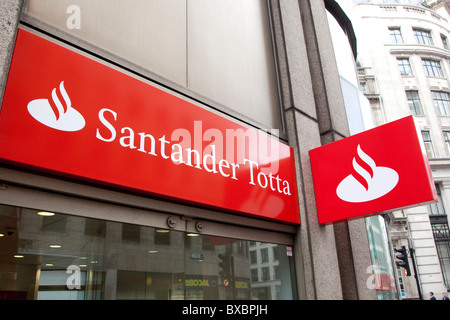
{"type": "Point", "coordinates": [51, 255]}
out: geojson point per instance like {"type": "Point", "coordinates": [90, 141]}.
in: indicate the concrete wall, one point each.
{"type": "Point", "coordinates": [331, 260]}
{"type": "Point", "coordinates": [9, 19]}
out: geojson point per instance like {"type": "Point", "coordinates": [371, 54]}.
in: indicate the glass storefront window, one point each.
{"type": "Point", "coordinates": [46, 255]}
{"type": "Point", "coordinates": [382, 268]}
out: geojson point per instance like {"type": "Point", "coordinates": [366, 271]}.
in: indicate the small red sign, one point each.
{"type": "Point", "coordinates": [377, 171]}
{"type": "Point", "coordinates": [69, 115]}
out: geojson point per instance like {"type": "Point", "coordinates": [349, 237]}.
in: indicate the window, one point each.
{"type": "Point", "coordinates": [432, 68]}
{"type": "Point", "coordinates": [404, 66]}
{"type": "Point", "coordinates": [444, 41]}
{"type": "Point", "coordinates": [131, 232]}
{"type": "Point", "coordinates": [439, 225]}
{"type": "Point", "coordinates": [253, 257]}
{"type": "Point", "coordinates": [207, 245]}
{"type": "Point", "coordinates": [396, 35]}
{"type": "Point", "coordinates": [428, 144]}
{"type": "Point", "coordinates": [423, 36]}
{"type": "Point", "coordinates": [437, 208]}
{"type": "Point", "coordinates": [363, 87]}
{"type": "Point", "coordinates": [162, 237]}
{"type": "Point", "coordinates": [265, 255]}
{"type": "Point", "coordinates": [254, 275]}
{"type": "Point", "coordinates": [447, 140]}
{"type": "Point", "coordinates": [95, 228]}
{"type": "Point", "coordinates": [441, 102]}
{"type": "Point", "coordinates": [276, 272]}
{"type": "Point", "coordinates": [54, 223]}
{"type": "Point", "coordinates": [113, 266]}
{"type": "Point", "coordinates": [414, 102]}
{"type": "Point", "coordinates": [265, 273]}
{"type": "Point", "coordinates": [442, 239]}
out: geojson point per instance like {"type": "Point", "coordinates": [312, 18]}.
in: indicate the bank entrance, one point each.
{"type": "Point", "coordinates": [60, 246]}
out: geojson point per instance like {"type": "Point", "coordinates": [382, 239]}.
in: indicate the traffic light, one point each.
{"type": "Point", "coordinates": [224, 266]}
{"type": "Point", "coordinates": [403, 259]}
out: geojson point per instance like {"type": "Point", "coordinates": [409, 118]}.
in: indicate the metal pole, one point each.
{"type": "Point", "coordinates": [411, 251]}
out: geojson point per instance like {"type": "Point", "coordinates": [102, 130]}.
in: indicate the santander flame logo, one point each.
{"type": "Point", "coordinates": [56, 114]}
{"type": "Point", "coordinates": [369, 181]}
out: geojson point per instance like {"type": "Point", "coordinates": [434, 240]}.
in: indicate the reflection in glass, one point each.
{"type": "Point", "coordinates": [69, 257]}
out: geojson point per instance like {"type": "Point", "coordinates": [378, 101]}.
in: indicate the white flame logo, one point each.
{"type": "Point", "coordinates": [369, 182]}
{"type": "Point", "coordinates": [55, 114]}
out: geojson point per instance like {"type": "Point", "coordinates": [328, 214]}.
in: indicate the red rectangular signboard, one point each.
{"type": "Point", "coordinates": [377, 171]}
{"type": "Point", "coordinates": [67, 114]}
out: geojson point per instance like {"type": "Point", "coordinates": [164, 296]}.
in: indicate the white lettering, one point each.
{"type": "Point", "coordinates": [108, 125]}
{"type": "Point", "coordinates": [177, 156]}
{"type": "Point", "coordinates": [130, 138]}
{"type": "Point", "coordinates": [264, 180]}
{"type": "Point", "coordinates": [212, 159]}
{"type": "Point", "coordinates": [252, 181]}
{"type": "Point", "coordinates": [224, 163]}
{"type": "Point", "coordinates": [163, 147]}
{"type": "Point", "coordinates": [199, 310]}
{"type": "Point", "coordinates": [189, 158]}
{"type": "Point", "coordinates": [234, 166]}
{"type": "Point", "coordinates": [286, 189]}
{"type": "Point", "coordinates": [278, 183]}
{"type": "Point", "coordinates": [262, 184]}
{"type": "Point", "coordinates": [192, 157]}
{"type": "Point", "coordinates": [142, 144]}
{"type": "Point", "coordinates": [244, 309]}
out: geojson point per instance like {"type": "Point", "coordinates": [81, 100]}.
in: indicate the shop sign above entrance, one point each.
{"type": "Point", "coordinates": [66, 114]}
{"type": "Point", "coordinates": [377, 171]}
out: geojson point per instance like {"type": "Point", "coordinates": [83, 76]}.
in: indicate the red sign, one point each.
{"type": "Point", "coordinates": [377, 171]}
{"type": "Point", "coordinates": [67, 114]}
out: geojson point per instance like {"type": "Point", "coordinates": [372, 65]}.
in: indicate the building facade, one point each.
{"type": "Point", "coordinates": [269, 66]}
{"type": "Point", "coordinates": [403, 60]}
